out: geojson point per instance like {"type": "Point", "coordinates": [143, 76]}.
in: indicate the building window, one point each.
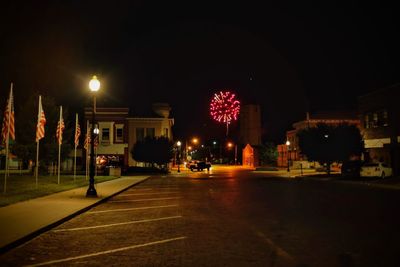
{"type": "Point", "coordinates": [376, 119]}
{"type": "Point", "coordinates": [119, 134]}
{"type": "Point", "coordinates": [105, 134]}
{"type": "Point", "coordinates": [139, 134]}
{"type": "Point", "coordinates": [150, 132]}
{"type": "Point", "coordinates": [366, 121]}
{"type": "Point", "coordinates": [385, 120]}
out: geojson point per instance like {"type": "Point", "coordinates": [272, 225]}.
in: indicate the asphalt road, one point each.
{"type": "Point", "coordinates": [228, 217]}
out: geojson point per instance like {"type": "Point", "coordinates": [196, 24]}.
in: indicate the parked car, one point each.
{"type": "Point", "coordinates": [200, 166]}
{"type": "Point", "coordinates": [351, 168]}
{"type": "Point", "coordinates": [379, 169]}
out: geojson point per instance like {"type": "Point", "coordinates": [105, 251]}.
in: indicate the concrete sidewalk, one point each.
{"type": "Point", "coordinates": [22, 221]}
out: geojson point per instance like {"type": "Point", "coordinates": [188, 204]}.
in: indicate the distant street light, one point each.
{"type": "Point", "coordinates": [94, 86]}
{"type": "Point", "coordinates": [288, 155]}
{"type": "Point", "coordinates": [179, 154]}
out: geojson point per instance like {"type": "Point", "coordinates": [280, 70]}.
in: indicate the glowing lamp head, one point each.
{"type": "Point", "coordinates": [94, 84]}
{"type": "Point", "coordinates": [195, 140]}
{"type": "Point", "coordinates": [179, 143]}
{"type": "Point", "coordinates": [288, 143]}
{"type": "Point", "coordinates": [230, 144]}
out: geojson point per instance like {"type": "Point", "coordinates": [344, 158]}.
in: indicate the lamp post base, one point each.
{"type": "Point", "coordinates": [91, 192]}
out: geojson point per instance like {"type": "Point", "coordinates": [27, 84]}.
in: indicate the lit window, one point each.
{"type": "Point", "coordinates": [385, 119]}
{"type": "Point", "coordinates": [366, 121]}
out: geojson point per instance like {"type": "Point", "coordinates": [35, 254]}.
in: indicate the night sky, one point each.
{"type": "Point", "coordinates": [287, 58]}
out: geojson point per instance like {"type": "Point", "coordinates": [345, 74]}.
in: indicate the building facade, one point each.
{"type": "Point", "coordinates": [379, 112]}
{"type": "Point", "coordinates": [250, 125]}
{"type": "Point", "coordinates": [119, 131]}
{"type": "Point", "coordinates": [250, 134]}
{"type": "Point", "coordinates": [113, 134]}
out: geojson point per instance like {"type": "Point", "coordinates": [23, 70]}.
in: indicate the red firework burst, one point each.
{"type": "Point", "coordinates": [224, 107]}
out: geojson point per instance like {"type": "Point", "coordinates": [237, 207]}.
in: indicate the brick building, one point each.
{"type": "Point", "coordinates": [379, 112]}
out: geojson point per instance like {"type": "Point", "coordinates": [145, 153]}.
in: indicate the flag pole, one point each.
{"type": "Point", "coordinates": [37, 163]}
{"type": "Point", "coordinates": [37, 143]}
{"type": "Point", "coordinates": [8, 139]}
{"type": "Point", "coordinates": [59, 145]}
{"type": "Point", "coordinates": [76, 127]}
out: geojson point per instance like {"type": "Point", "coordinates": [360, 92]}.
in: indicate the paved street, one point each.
{"type": "Point", "coordinates": [229, 216]}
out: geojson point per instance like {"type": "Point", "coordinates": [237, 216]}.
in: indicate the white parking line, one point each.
{"type": "Point", "coordinates": [116, 224]}
{"type": "Point", "coordinates": [108, 251]}
{"type": "Point", "coordinates": [157, 188]}
{"type": "Point", "coordinates": [142, 194]}
{"type": "Point", "coordinates": [141, 208]}
{"type": "Point", "coordinates": [145, 199]}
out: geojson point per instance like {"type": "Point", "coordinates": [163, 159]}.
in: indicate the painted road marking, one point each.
{"type": "Point", "coordinates": [145, 199]}
{"type": "Point", "coordinates": [108, 251]}
{"type": "Point", "coordinates": [116, 224]}
{"type": "Point", "coordinates": [142, 194]}
{"type": "Point", "coordinates": [155, 187]}
{"type": "Point", "coordinates": [141, 208]}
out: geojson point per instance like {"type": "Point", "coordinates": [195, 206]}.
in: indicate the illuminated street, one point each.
{"type": "Point", "coordinates": [230, 217]}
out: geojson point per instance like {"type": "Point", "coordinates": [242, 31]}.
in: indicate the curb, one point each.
{"type": "Point", "coordinates": [34, 234]}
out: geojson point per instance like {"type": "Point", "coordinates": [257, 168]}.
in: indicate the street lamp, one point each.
{"type": "Point", "coordinates": [94, 86]}
{"type": "Point", "coordinates": [288, 155]}
{"type": "Point", "coordinates": [179, 154]}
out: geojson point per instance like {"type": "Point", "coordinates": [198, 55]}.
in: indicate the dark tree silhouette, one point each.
{"type": "Point", "coordinates": [25, 130]}
{"type": "Point", "coordinates": [327, 144]}
{"type": "Point", "coordinates": [157, 150]}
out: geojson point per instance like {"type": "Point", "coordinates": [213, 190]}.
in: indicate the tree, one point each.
{"type": "Point", "coordinates": [327, 144]}
{"type": "Point", "coordinates": [268, 153]}
{"type": "Point", "coordinates": [153, 150]}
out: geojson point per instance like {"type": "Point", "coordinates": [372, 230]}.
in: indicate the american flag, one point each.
{"type": "Point", "coordinates": [41, 122]}
{"type": "Point", "coordinates": [60, 128]}
{"type": "Point", "coordinates": [87, 141]}
{"type": "Point", "coordinates": [8, 120]}
{"type": "Point", "coordinates": [77, 134]}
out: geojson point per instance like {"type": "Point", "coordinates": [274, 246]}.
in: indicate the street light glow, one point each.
{"type": "Point", "coordinates": [195, 140]}
{"type": "Point", "coordinates": [94, 84]}
{"type": "Point", "coordinates": [179, 143]}
{"type": "Point", "coordinates": [288, 143]}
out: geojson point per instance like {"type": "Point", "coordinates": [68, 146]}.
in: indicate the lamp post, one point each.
{"type": "Point", "coordinates": [288, 155]}
{"type": "Point", "coordinates": [179, 154]}
{"type": "Point", "coordinates": [94, 86]}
